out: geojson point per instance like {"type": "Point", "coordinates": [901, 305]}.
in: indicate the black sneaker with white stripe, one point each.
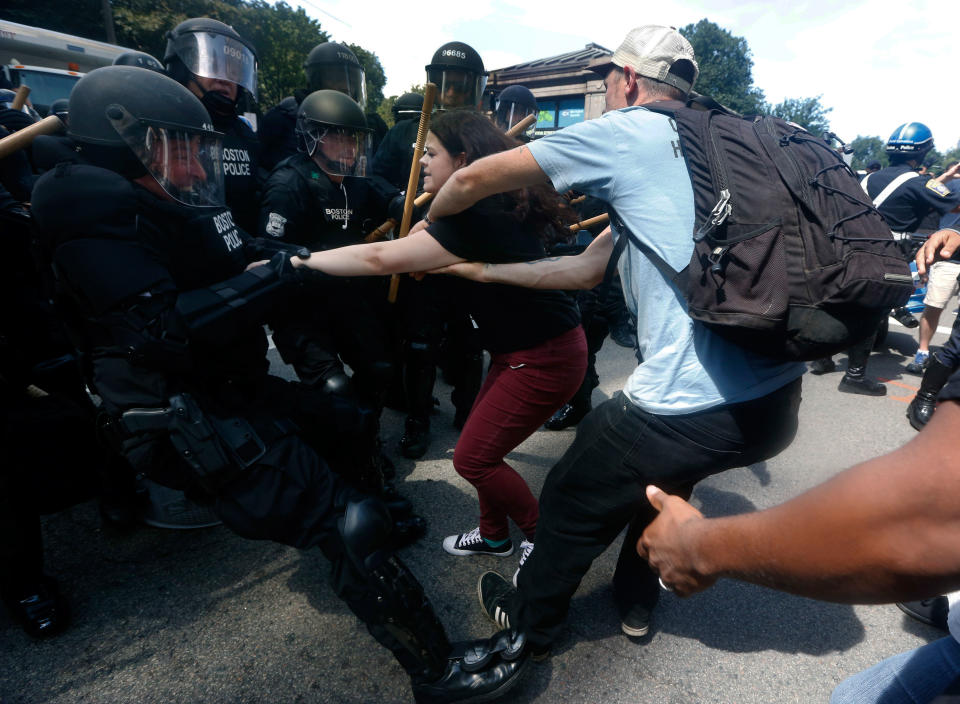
{"type": "Point", "coordinates": [472, 543]}
{"type": "Point", "coordinates": [496, 598]}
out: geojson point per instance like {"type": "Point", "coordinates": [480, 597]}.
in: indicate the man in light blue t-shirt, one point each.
{"type": "Point", "coordinates": [696, 405]}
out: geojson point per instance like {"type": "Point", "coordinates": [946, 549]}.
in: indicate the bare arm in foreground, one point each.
{"type": "Point", "coordinates": [884, 530]}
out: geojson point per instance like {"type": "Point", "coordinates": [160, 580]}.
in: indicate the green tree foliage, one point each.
{"type": "Point", "coordinates": [806, 112]}
{"type": "Point", "coordinates": [726, 69]}
{"type": "Point", "coordinates": [282, 35]}
{"type": "Point", "coordinates": [867, 149]}
{"type": "Point", "coordinates": [376, 78]}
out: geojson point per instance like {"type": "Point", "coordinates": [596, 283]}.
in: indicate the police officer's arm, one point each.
{"type": "Point", "coordinates": [583, 271]}
{"type": "Point", "coordinates": [497, 173]}
{"type": "Point", "coordinates": [885, 530]}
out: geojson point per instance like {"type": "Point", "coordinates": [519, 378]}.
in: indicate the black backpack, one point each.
{"type": "Point", "coordinates": [791, 259]}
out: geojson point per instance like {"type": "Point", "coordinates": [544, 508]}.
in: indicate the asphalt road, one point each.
{"type": "Point", "coordinates": [205, 616]}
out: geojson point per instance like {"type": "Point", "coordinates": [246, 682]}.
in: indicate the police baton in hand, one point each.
{"type": "Point", "coordinates": [429, 94]}
{"type": "Point", "coordinates": [22, 138]}
{"type": "Point", "coordinates": [20, 99]}
{"type": "Point", "coordinates": [424, 198]}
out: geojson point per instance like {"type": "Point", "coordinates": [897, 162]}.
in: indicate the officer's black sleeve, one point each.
{"type": "Point", "coordinates": [281, 206]}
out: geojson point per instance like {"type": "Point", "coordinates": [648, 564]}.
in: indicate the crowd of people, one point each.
{"type": "Point", "coordinates": [168, 237]}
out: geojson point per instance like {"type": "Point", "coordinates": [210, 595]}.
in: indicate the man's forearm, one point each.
{"type": "Point", "coordinates": [583, 271]}
{"type": "Point", "coordinates": [885, 530]}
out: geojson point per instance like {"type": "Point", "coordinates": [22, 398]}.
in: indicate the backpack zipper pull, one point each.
{"type": "Point", "coordinates": [721, 211]}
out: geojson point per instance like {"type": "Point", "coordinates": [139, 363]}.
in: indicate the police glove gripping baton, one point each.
{"type": "Point", "coordinates": [424, 198]}
{"type": "Point", "coordinates": [429, 94]}
{"type": "Point", "coordinates": [22, 138]}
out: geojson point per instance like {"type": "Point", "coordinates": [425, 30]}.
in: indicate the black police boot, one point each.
{"type": "Point", "coordinates": [932, 612]}
{"type": "Point", "coordinates": [37, 606]}
{"type": "Point", "coordinates": [478, 671]}
{"type": "Point", "coordinates": [904, 317]}
{"type": "Point", "coordinates": [921, 408]}
{"type": "Point", "coordinates": [823, 366]}
{"type": "Point", "coordinates": [568, 415]}
{"type": "Point", "coordinates": [416, 438]}
{"type": "Point", "coordinates": [623, 330]}
{"type": "Point", "coordinates": [855, 381]}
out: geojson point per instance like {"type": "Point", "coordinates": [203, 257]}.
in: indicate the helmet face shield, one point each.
{"type": "Point", "coordinates": [339, 151]}
{"type": "Point", "coordinates": [216, 56]}
{"type": "Point", "coordinates": [510, 113]}
{"type": "Point", "coordinates": [185, 161]}
{"type": "Point", "coordinates": [456, 88]}
{"type": "Point", "coordinates": [345, 78]}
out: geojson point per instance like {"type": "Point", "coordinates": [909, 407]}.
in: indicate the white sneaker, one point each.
{"type": "Point", "coordinates": [526, 547]}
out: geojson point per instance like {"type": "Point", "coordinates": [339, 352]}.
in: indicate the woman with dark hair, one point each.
{"type": "Point", "coordinates": [537, 347]}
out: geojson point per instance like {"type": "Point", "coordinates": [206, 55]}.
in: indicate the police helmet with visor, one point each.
{"type": "Point", "coordinates": [138, 122]}
{"type": "Point", "coordinates": [211, 49]}
{"type": "Point", "coordinates": [140, 59]}
{"type": "Point", "coordinates": [407, 107]}
{"type": "Point", "coordinates": [332, 130]}
{"type": "Point", "coordinates": [332, 66]}
{"type": "Point", "coordinates": [514, 104]}
{"type": "Point", "coordinates": [457, 71]}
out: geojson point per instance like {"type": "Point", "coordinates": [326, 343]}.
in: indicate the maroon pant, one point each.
{"type": "Point", "coordinates": [522, 390]}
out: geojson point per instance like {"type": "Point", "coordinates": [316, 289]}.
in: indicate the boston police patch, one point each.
{"type": "Point", "coordinates": [276, 224]}
{"type": "Point", "coordinates": [938, 188]}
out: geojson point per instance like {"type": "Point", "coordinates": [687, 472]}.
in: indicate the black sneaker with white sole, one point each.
{"type": "Point", "coordinates": [497, 598]}
{"type": "Point", "coordinates": [635, 621]}
{"type": "Point", "coordinates": [472, 543]}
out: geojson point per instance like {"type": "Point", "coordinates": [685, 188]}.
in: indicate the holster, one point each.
{"type": "Point", "coordinates": [217, 450]}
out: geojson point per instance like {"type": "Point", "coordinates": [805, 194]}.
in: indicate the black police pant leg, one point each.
{"type": "Point", "coordinates": [423, 329]}
{"type": "Point", "coordinates": [949, 354]}
{"type": "Point", "coordinates": [292, 497]}
{"type": "Point", "coordinates": [859, 354]}
{"type": "Point", "coordinates": [595, 488]}
{"type": "Point", "coordinates": [465, 361]}
{"type": "Point", "coordinates": [364, 341]}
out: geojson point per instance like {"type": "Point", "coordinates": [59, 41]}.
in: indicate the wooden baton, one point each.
{"type": "Point", "coordinates": [20, 139]}
{"type": "Point", "coordinates": [590, 222]}
{"type": "Point", "coordinates": [413, 181]}
{"type": "Point", "coordinates": [424, 198]}
{"type": "Point", "coordinates": [20, 98]}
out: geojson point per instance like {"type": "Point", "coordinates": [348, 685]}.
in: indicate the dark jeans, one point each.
{"type": "Point", "coordinates": [599, 484]}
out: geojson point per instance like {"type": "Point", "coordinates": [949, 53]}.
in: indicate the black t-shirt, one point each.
{"type": "Point", "coordinates": [509, 318]}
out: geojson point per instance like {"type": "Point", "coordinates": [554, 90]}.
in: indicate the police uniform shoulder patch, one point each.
{"type": "Point", "coordinates": [276, 224]}
{"type": "Point", "coordinates": [938, 188]}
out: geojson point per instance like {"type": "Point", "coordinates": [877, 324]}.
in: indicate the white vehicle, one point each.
{"type": "Point", "coordinates": [49, 62]}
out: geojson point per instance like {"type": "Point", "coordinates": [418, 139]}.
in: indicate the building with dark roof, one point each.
{"type": "Point", "coordinates": [565, 90]}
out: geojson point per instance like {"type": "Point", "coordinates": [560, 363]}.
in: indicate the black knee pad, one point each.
{"type": "Point", "coordinates": [365, 528]}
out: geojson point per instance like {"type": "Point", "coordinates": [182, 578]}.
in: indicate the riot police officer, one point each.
{"type": "Point", "coordinates": [320, 199]}
{"type": "Point", "coordinates": [428, 307]}
{"type": "Point", "coordinates": [328, 66]}
{"type": "Point", "coordinates": [514, 104]}
{"type": "Point", "coordinates": [154, 271]}
{"type": "Point", "coordinates": [140, 59]}
{"type": "Point", "coordinates": [220, 67]}
{"type": "Point", "coordinates": [394, 156]}
{"type": "Point", "coordinates": [904, 198]}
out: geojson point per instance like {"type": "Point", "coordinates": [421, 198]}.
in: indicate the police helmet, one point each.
{"type": "Point", "coordinates": [332, 130]}
{"type": "Point", "coordinates": [912, 138]}
{"type": "Point", "coordinates": [61, 108]}
{"type": "Point", "coordinates": [138, 58]}
{"type": "Point", "coordinates": [138, 122]}
{"type": "Point", "coordinates": [332, 66]}
{"type": "Point", "coordinates": [211, 49]}
{"type": "Point", "coordinates": [457, 70]}
{"type": "Point", "coordinates": [407, 107]}
{"type": "Point", "coordinates": [513, 104]}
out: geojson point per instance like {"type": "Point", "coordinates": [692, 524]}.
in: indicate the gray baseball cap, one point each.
{"type": "Point", "coordinates": [660, 53]}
